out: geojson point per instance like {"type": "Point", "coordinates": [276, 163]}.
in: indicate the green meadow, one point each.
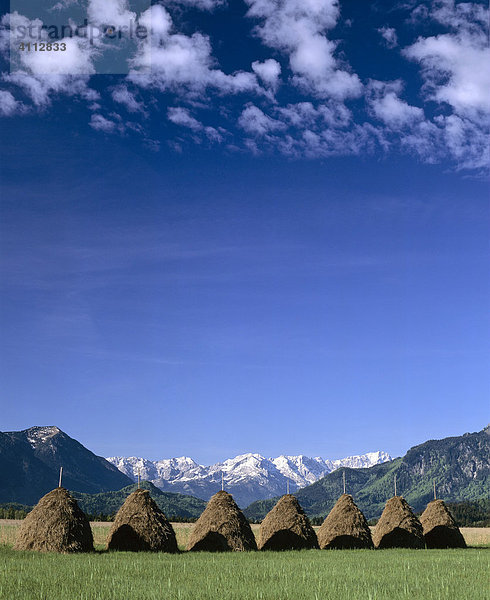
{"type": "Point", "coordinates": [311, 575]}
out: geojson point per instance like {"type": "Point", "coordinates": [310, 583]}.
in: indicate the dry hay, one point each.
{"type": "Point", "coordinates": [140, 525]}
{"type": "Point", "coordinates": [440, 529]}
{"type": "Point", "coordinates": [398, 527]}
{"type": "Point", "coordinates": [286, 527]}
{"type": "Point", "coordinates": [345, 527]}
{"type": "Point", "coordinates": [55, 524]}
{"type": "Point", "coordinates": [222, 527]}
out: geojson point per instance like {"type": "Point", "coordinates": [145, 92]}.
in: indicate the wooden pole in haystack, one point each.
{"type": "Point", "coordinates": [61, 475]}
{"type": "Point", "coordinates": [288, 485]}
{"type": "Point", "coordinates": [222, 482]}
{"type": "Point", "coordinates": [138, 478]}
{"type": "Point", "coordinates": [435, 497]}
{"type": "Point", "coordinates": [395, 485]}
{"type": "Point", "coordinates": [343, 479]}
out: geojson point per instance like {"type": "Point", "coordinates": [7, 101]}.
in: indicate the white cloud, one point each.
{"type": "Point", "coordinates": [268, 71]}
{"type": "Point", "coordinates": [75, 60]}
{"type": "Point", "coordinates": [454, 69]}
{"type": "Point", "coordinates": [305, 115]}
{"type": "Point", "coordinates": [297, 27]}
{"type": "Point", "coordinates": [389, 36]}
{"type": "Point", "coordinates": [306, 130]}
{"type": "Point", "coordinates": [110, 12]}
{"type": "Point", "coordinates": [201, 4]}
{"type": "Point", "coordinates": [386, 105]}
{"type": "Point", "coordinates": [123, 96]}
{"type": "Point", "coordinates": [63, 4]}
{"type": "Point", "coordinates": [454, 66]}
{"type": "Point", "coordinates": [181, 116]}
{"type": "Point", "coordinates": [42, 74]}
{"type": "Point", "coordinates": [469, 16]}
{"type": "Point", "coordinates": [41, 88]}
{"type": "Point", "coordinates": [100, 123]}
{"type": "Point", "coordinates": [256, 122]}
{"type": "Point", "coordinates": [181, 63]}
{"type": "Point", "coordinates": [157, 20]}
{"type": "Point", "coordinates": [466, 141]}
{"type": "Point", "coordinates": [9, 106]}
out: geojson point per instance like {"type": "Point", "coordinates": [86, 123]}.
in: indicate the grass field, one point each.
{"type": "Point", "coordinates": [308, 575]}
{"type": "Point", "coordinates": [474, 536]}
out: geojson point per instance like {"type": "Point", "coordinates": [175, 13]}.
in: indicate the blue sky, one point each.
{"type": "Point", "coordinates": [272, 238]}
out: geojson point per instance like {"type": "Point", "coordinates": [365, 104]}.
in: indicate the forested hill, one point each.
{"type": "Point", "coordinates": [459, 466]}
{"type": "Point", "coordinates": [173, 505]}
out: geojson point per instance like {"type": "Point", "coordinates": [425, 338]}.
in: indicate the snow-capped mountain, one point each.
{"type": "Point", "coordinates": [248, 477]}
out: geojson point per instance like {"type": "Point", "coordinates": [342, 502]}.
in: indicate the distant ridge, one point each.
{"type": "Point", "coordinates": [248, 476]}
{"type": "Point", "coordinates": [173, 505]}
{"type": "Point", "coordinates": [459, 467]}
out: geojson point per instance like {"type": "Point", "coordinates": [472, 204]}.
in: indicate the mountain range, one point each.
{"type": "Point", "coordinates": [459, 467]}
{"type": "Point", "coordinates": [247, 477]}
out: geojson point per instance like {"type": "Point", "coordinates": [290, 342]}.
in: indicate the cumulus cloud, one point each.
{"type": "Point", "coordinates": [389, 36]}
{"type": "Point", "coordinates": [100, 123]}
{"type": "Point", "coordinates": [453, 69]}
{"type": "Point", "coordinates": [304, 129]}
{"type": "Point", "coordinates": [9, 106]}
{"type": "Point", "coordinates": [387, 106]}
{"type": "Point", "coordinates": [182, 63]}
{"type": "Point", "coordinates": [311, 103]}
{"type": "Point", "coordinates": [268, 71]}
{"type": "Point", "coordinates": [123, 96]}
{"type": "Point", "coordinates": [181, 116]}
{"type": "Point", "coordinates": [110, 12]}
{"type": "Point", "coordinates": [297, 27]}
{"type": "Point", "coordinates": [75, 60]}
{"type": "Point", "coordinates": [200, 4]}
{"type": "Point", "coordinates": [156, 20]}
{"type": "Point", "coordinates": [469, 16]}
{"type": "Point", "coordinates": [255, 121]}
{"type": "Point", "coordinates": [41, 75]}
{"type": "Point", "coordinates": [307, 115]}
{"type": "Point", "coordinates": [41, 88]}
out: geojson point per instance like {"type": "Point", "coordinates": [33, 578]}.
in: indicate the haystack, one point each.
{"type": "Point", "coordinates": [141, 526]}
{"type": "Point", "coordinates": [222, 527]}
{"type": "Point", "coordinates": [398, 527]}
{"type": "Point", "coordinates": [286, 527]}
{"type": "Point", "coordinates": [55, 524]}
{"type": "Point", "coordinates": [345, 527]}
{"type": "Point", "coordinates": [440, 529]}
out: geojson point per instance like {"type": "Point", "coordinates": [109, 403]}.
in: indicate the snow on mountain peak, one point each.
{"type": "Point", "coordinates": [248, 476]}
{"type": "Point", "coordinates": [39, 435]}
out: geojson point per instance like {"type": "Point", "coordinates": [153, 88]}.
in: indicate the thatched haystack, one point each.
{"type": "Point", "coordinates": [222, 527]}
{"type": "Point", "coordinates": [440, 529]}
{"type": "Point", "coordinates": [140, 525]}
{"type": "Point", "coordinates": [345, 527]}
{"type": "Point", "coordinates": [55, 524]}
{"type": "Point", "coordinates": [398, 527]}
{"type": "Point", "coordinates": [286, 527]}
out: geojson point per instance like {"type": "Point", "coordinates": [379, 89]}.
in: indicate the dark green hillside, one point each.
{"type": "Point", "coordinates": [173, 505]}
{"type": "Point", "coordinates": [459, 466]}
{"type": "Point", "coordinates": [471, 514]}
